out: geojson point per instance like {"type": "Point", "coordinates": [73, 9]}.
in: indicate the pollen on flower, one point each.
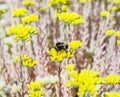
{"type": "Point", "coordinates": [19, 12]}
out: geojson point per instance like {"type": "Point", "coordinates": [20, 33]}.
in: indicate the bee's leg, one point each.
{"type": "Point", "coordinates": [55, 48]}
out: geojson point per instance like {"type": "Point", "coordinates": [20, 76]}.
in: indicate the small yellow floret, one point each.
{"type": "Point", "coordinates": [19, 12]}
{"type": "Point", "coordinates": [117, 34]}
{"type": "Point", "coordinates": [30, 18]}
{"type": "Point", "coordinates": [70, 67]}
{"type": "Point", "coordinates": [75, 44]}
{"type": "Point", "coordinates": [112, 79]}
{"type": "Point", "coordinates": [17, 58]}
{"type": "Point", "coordinates": [109, 32]}
{"type": "Point", "coordinates": [28, 2]}
{"type": "Point", "coordinates": [70, 18]}
{"type": "Point", "coordinates": [118, 42]}
{"type": "Point", "coordinates": [104, 14]}
{"type": "Point", "coordinates": [28, 61]}
{"type": "Point", "coordinates": [84, 1]}
{"type": "Point", "coordinates": [35, 89]}
{"type": "Point", "coordinates": [112, 94]}
{"type": "Point", "coordinates": [58, 2]}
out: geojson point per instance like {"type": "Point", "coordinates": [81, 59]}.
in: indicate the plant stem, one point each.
{"type": "Point", "coordinates": [59, 81]}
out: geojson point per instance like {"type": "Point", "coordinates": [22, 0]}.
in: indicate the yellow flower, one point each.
{"type": "Point", "coordinates": [116, 1]}
{"type": "Point", "coordinates": [116, 8]}
{"type": "Point", "coordinates": [28, 2]}
{"type": "Point", "coordinates": [100, 80]}
{"type": "Point", "coordinates": [104, 14]}
{"type": "Point", "coordinates": [117, 34]}
{"type": "Point", "coordinates": [58, 2]}
{"type": "Point", "coordinates": [70, 67]}
{"type": "Point", "coordinates": [67, 84]}
{"type": "Point", "coordinates": [28, 61]}
{"type": "Point", "coordinates": [65, 8]}
{"type": "Point", "coordinates": [112, 94]}
{"type": "Point", "coordinates": [21, 32]}
{"type": "Point", "coordinates": [2, 11]}
{"type": "Point", "coordinates": [109, 32]}
{"type": "Point", "coordinates": [112, 79]}
{"type": "Point", "coordinates": [75, 44]}
{"type": "Point", "coordinates": [19, 12]}
{"type": "Point", "coordinates": [118, 42]}
{"type": "Point", "coordinates": [17, 58]}
{"type": "Point", "coordinates": [60, 55]}
{"type": "Point", "coordinates": [70, 18]}
{"type": "Point", "coordinates": [86, 81]}
{"type": "Point", "coordinates": [35, 89]}
{"type": "Point", "coordinates": [30, 18]}
{"type": "Point", "coordinates": [84, 1]}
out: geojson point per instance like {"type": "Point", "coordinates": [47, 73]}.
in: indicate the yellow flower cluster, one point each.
{"type": "Point", "coordinates": [70, 18]}
{"type": "Point", "coordinates": [16, 59]}
{"type": "Point", "coordinates": [112, 94]}
{"type": "Point", "coordinates": [28, 2]}
{"type": "Point", "coordinates": [114, 1]}
{"type": "Point", "coordinates": [85, 81]}
{"type": "Point", "coordinates": [84, 1]}
{"type": "Point", "coordinates": [35, 89]}
{"type": "Point", "coordinates": [118, 42]}
{"type": "Point", "coordinates": [28, 61]}
{"type": "Point", "coordinates": [110, 32]}
{"type": "Point", "coordinates": [70, 67]}
{"type": "Point", "coordinates": [19, 12]}
{"type": "Point", "coordinates": [30, 18]}
{"type": "Point", "coordinates": [116, 8]}
{"type": "Point", "coordinates": [111, 79]}
{"type": "Point", "coordinates": [60, 55]}
{"type": "Point", "coordinates": [104, 14]}
{"type": "Point", "coordinates": [2, 11]}
{"type": "Point", "coordinates": [58, 2]}
{"type": "Point", "coordinates": [117, 34]}
{"type": "Point", "coordinates": [65, 8]}
{"type": "Point", "coordinates": [75, 44]}
{"type": "Point", "coordinates": [21, 32]}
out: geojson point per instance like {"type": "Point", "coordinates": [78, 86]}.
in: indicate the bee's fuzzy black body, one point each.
{"type": "Point", "coordinates": [61, 46]}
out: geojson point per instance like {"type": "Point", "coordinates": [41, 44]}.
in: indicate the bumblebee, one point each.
{"type": "Point", "coordinates": [61, 46]}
